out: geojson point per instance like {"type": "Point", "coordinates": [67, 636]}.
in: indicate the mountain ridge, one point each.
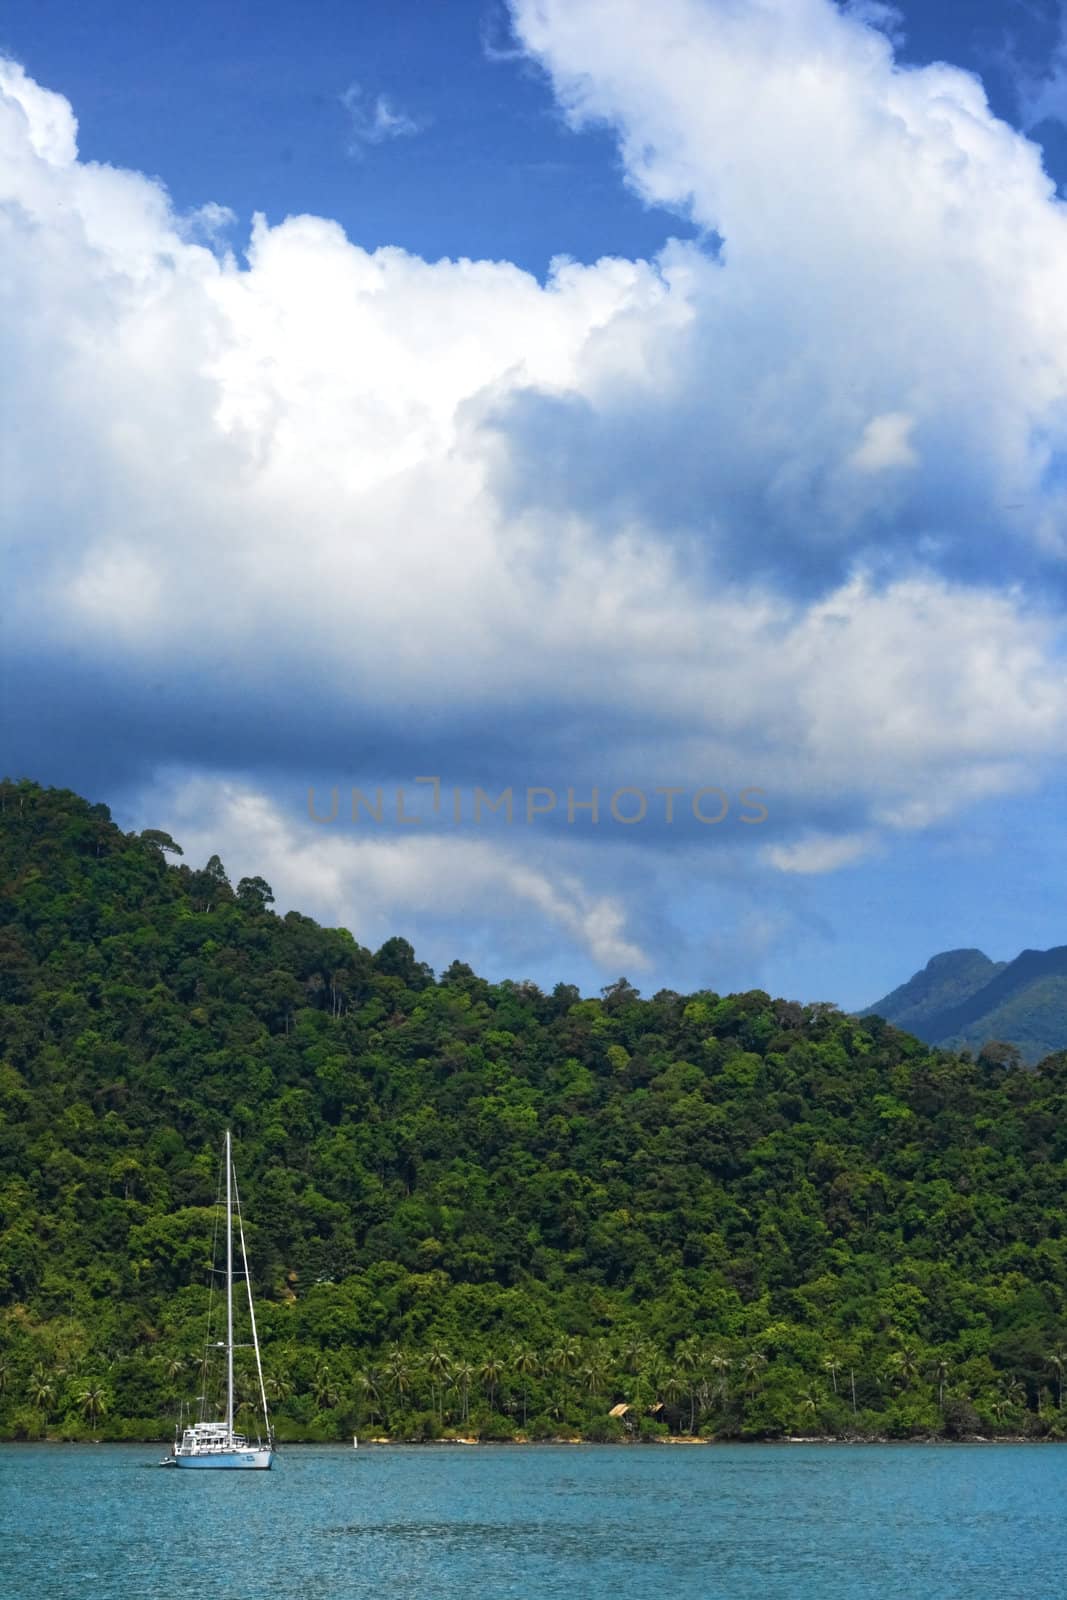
{"type": "Point", "coordinates": [962, 1000]}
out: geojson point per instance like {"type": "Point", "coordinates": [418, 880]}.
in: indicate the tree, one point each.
{"type": "Point", "coordinates": [752, 1365]}
{"type": "Point", "coordinates": [998, 1053]}
{"type": "Point", "coordinates": [618, 994]}
{"type": "Point", "coordinates": [562, 1362]}
{"type": "Point", "coordinates": [720, 1363]}
{"type": "Point", "coordinates": [457, 1165]}
{"type": "Point", "coordinates": [525, 1362]}
{"type": "Point", "coordinates": [161, 841]}
{"type": "Point", "coordinates": [594, 1374]}
{"type": "Point", "coordinates": [324, 1388]}
{"type": "Point", "coordinates": [369, 1383]}
{"type": "Point", "coordinates": [173, 1368]}
{"type": "Point", "coordinates": [438, 1365]}
{"type": "Point", "coordinates": [811, 1401]}
{"type": "Point", "coordinates": [688, 1357]}
{"type": "Point", "coordinates": [399, 1373]}
{"type": "Point", "coordinates": [277, 1385]}
{"type": "Point", "coordinates": [42, 1392]}
{"type": "Point", "coordinates": [939, 1372]}
{"type": "Point", "coordinates": [254, 894]}
{"type": "Point", "coordinates": [396, 959]}
{"type": "Point", "coordinates": [462, 1376]}
{"type": "Point", "coordinates": [633, 1355]}
{"type": "Point", "coordinates": [672, 1386]}
{"type": "Point", "coordinates": [904, 1364]}
{"type": "Point", "coordinates": [491, 1372]}
{"type": "Point", "coordinates": [93, 1402]}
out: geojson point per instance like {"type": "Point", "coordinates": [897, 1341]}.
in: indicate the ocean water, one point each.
{"type": "Point", "coordinates": [757, 1522]}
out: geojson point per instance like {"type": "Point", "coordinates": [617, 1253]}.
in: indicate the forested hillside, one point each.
{"type": "Point", "coordinates": [480, 1208]}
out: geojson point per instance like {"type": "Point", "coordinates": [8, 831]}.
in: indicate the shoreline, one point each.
{"type": "Point", "coordinates": [381, 1442]}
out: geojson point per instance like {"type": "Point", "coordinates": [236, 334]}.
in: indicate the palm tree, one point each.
{"type": "Point", "coordinates": [277, 1387]}
{"type": "Point", "coordinates": [905, 1364]}
{"type": "Point", "coordinates": [566, 1356]}
{"type": "Point", "coordinates": [564, 1360]}
{"type": "Point", "coordinates": [1058, 1362]}
{"type": "Point", "coordinates": [720, 1364]}
{"type": "Point", "coordinates": [939, 1372]}
{"type": "Point", "coordinates": [833, 1367]}
{"type": "Point", "coordinates": [491, 1373]}
{"type": "Point", "coordinates": [525, 1361]}
{"type": "Point", "coordinates": [438, 1363]}
{"type": "Point", "coordinates": [462, 1376]}
{"type": "Point", "coordinates": [42, 1391]}
{"type": "Point", "coordinates": [369, 1382]}
{"type": "Point", "coordinates": [248, 1406]}
{"type": "Point", "coordinates": [324, 1388]}
{"type": "Point", "coordinates": [811, 1400]}
{"type": "Point", "coordinates": [399, 1372]}
{"type": "Point", "coordinates": [715, 1389]}
{"type": "Point", "coordinates": [672, 1386]}
{"type": "Point", "coordinates": [688, 1355]}
{"type": "Point", "coordinates": [752, 1365]}
{"type": "Point", "coordinates": [593, 1375]}
{"type": "Point", "coordinates": [93, 1402]}
{"type": "Point", "coordinates": [633, 1354]}
{"type": "Point", "coordinates": [173, 1367]}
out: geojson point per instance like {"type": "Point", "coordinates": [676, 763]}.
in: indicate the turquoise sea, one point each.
{"type": "Point", "coordinates": [756, 1522]}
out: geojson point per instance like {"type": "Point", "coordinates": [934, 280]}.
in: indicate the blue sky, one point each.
{"type": "Point", "coordinates": [634, 397]}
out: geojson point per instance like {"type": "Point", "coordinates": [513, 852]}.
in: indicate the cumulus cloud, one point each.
{"type": "Point", "coordinates": [732, 516]}
{"type": "Point", "coordinates": [888, 248]}
{"type": "Point", "coordinates": [37, 115]}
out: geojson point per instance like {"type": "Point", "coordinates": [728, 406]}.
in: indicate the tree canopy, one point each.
{"type": "Point", "coordinates": [477, 1207]}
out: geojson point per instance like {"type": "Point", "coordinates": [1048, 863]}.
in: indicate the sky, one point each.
{"type": "Point", "coordinates": [552, 397]}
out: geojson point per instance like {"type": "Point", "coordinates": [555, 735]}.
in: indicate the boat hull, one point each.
{"type": "Point", "coordinates": [228, 1460]}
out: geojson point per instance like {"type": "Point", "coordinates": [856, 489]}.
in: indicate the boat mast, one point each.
{"type": "Point", "coordinates": [251, 1309]}
{"type": "Point", "coordinates": [229, 1290]}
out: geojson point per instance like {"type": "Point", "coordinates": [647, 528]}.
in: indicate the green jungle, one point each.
{"type": "Point", "coordinates": [476, 1209]}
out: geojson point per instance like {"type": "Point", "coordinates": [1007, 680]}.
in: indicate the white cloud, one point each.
{"type": "Point", "coordinates": [815, 853]}
{"type": "Point", "coordinates": [374, 120]}
{"type": "Point", "coordinates": [1042, 95]}
{"type": "Point", "coordinates": [47, 120]}
{"type": "Point", "coordinates": [645, 519]}
{"type": "Point", "coordinates": [885, 444]}
{"type": "Point", "coordinates": [374, 884]}
{"type": "Point", "coordinates": [879, 14]}
{"type": "Point", "coordinates": [889, 248]}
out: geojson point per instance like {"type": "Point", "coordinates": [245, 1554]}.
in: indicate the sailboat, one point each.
{"type": "Point", "coordinates": [215, 1444]}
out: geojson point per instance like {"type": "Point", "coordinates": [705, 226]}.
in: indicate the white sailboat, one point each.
{"type": "Point", "coordinates": [215, 1444]}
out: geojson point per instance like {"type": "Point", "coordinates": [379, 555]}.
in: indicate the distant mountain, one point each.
{"type": "Point", "coordinates": [962, 1000]}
